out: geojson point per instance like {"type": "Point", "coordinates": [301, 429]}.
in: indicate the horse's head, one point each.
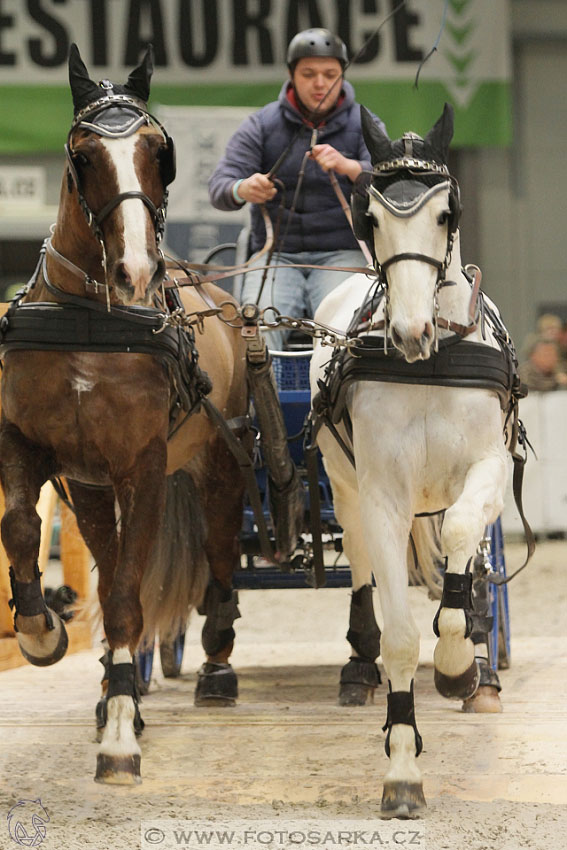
{"type": "Point", "coordinates": [408, 211]}
{"type": "Point", "coordinates": [120, 161]}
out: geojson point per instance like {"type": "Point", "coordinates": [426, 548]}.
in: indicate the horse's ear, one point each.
{"type": "Point", "coordinates": [440, 135]}
{"type": "Point", "coordinates": [139, 80]}
{"type": "Point", "coordinates": [82, 87]}
{"type": "Point", "coordinates": [377, 141]}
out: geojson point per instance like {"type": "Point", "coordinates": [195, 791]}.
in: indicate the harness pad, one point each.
{"type": "Point", "coordinates": [458, 363]}
{"type": "Point", "coordinates": [44, 326]}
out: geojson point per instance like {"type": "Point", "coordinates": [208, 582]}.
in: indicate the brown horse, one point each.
{"type": "Point", "coordinates": [84, 396]}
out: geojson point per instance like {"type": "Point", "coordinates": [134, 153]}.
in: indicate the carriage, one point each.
{"type": "Point", "coordinates": [291, 371]}
{"type": "Point", "coordinates": [168, 437]}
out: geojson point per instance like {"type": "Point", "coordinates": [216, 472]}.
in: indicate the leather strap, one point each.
{"type": "Point", "coordinates": [401, 710]}
{"type": "Point", "coordinates": [519, 461]}
{"type": "Point", "coordinates": [312, 467]}
{"type": "Point", "coordinates": [212, 278]}
{"type": "Point", "coordinates": [247, 468]}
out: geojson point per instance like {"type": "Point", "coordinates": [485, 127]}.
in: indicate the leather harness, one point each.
{"type": "Point", "coordinates": [457, 363]}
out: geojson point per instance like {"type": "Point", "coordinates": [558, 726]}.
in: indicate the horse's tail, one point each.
{"type": "Point", "coordinates": [177, 575]}
{"type": "Point", "coordinates": [425, 558]}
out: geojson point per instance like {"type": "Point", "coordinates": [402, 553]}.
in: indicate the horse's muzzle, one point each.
{"type": "Point", "coordinates": [137, 286]}
{"type": "Point", "coordinates": [414, 341]}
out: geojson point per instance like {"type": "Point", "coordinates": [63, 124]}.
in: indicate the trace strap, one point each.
{"type": "Point", "coordinates": [247, 469]}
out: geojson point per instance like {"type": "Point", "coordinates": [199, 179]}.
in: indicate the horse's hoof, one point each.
{"type": "Point", "coordinates": [118, 770]}
{"type": "Point", "coordinates": [402, 800]}
{"type": "Point", "coordinates": [216, 685]}
{"type": "Point", "coordinates": [485, 701]}
{"type": "Point", "coordinates": [359, 679]}
{"type": "Point", "coordinates": [48, 648]}
{"type": "Point", "coordinates": [458, 687]}
{"type": "Point", "coordinates": [352, 694]}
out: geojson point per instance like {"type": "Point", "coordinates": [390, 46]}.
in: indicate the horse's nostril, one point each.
{"type": "Point", "coordinates": [122, 275]}
{"type": "Point", "coordinates": [427, 334]}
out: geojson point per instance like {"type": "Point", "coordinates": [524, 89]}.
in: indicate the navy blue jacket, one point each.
{"type": "Point", "coordinates": [318, 223]}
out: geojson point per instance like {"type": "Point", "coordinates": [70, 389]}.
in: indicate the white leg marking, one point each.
{"type": "Point", "coordinates": [119, 738]}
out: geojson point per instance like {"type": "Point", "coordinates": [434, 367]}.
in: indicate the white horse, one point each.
{"type": "Point", "coordinates": [418, 448]}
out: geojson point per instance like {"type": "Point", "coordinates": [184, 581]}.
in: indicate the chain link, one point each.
{"type": "Point", "coordinates": [328, 336]}
{"type": "Point", "coordinates": [180, 319]}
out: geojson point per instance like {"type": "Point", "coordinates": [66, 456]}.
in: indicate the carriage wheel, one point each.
{"type": "Point", "coordinates": [500, 655]}
{"type": "Point", "coordinates": [144, 664]}
{"type": "Point", "coordinates": [171, 655]}
{"type": "Point", "coordinates": [504, 654]}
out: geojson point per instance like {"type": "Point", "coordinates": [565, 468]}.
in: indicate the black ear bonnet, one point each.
{"type": "Point", "coordinates": [361, 223]}
{"type": "Point", "coordinates": [116, 110]}
{"type": "Point", "coordinates": [410, 158]}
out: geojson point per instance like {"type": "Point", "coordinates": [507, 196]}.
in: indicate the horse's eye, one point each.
{"type": "Point", "coordinates": [373, 218]}
{"type": "Point", "coordinates": [443, 217]}
{"type": "Point", "coordinates": [80, 159]}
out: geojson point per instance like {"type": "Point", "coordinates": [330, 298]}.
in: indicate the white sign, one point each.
{"type": "Point", "coordinates": [228, 40]}
{"type": "Point", "coordinates": [21, 187]}
{"type": "Point", "coordinates": [200, 136]}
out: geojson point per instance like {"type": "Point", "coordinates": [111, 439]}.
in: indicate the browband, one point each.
{"type": "Point", "coordinates": [410, 163]}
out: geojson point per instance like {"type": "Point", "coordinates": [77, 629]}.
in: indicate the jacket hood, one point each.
{"type": "Point", "coordinates": [294, 115]}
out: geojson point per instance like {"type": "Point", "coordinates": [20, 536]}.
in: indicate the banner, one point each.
{"type": "Point", "coordinates": [232, 53]}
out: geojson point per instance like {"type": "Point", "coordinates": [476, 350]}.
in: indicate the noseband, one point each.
{"type": "Point", "coordinates": [118, 116]}
{"type": "Point", "coordinates": [440, 265]}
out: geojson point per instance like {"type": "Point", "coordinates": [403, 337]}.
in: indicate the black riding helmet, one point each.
{"type": "Point", "coordinates": [316, 42]}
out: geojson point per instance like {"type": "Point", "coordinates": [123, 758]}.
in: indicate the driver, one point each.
{"type": "Point", "coordinates": [318, 101]}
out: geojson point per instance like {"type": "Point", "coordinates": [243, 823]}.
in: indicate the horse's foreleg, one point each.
{"type": "Point", "coordinates": [457, 673]}
{"type": "Point", "coordinates": [386, 538]}
{"type": "Point", "coordinates": [96, 519]}
{"type": "Point", "coordinates": [25, 467]}
{"type": "Point", "coordinates": [223, 499]}
{"type": "Point", "coordinates": [360, 676]}
{"type": "Point", "coordinates": [486, 700]}
{"type": "Point", "coordinates": [141, 497]}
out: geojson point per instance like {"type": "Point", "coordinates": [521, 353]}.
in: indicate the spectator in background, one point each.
{"type": "Point", "coordinates": [542, 371]}
{"type": "Point", "coordinates": [562, 343]}
{"type": "Point", "coordinates": [548, 327]}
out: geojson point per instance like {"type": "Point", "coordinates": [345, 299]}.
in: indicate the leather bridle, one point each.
{"type": "Point", "coordinates": [440, 264]}
{"type": "Point", "coordinates": [95, 220]}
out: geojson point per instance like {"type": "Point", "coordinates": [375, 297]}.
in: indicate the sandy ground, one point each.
{"type": "Point", "coordinates": [287, 755]}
